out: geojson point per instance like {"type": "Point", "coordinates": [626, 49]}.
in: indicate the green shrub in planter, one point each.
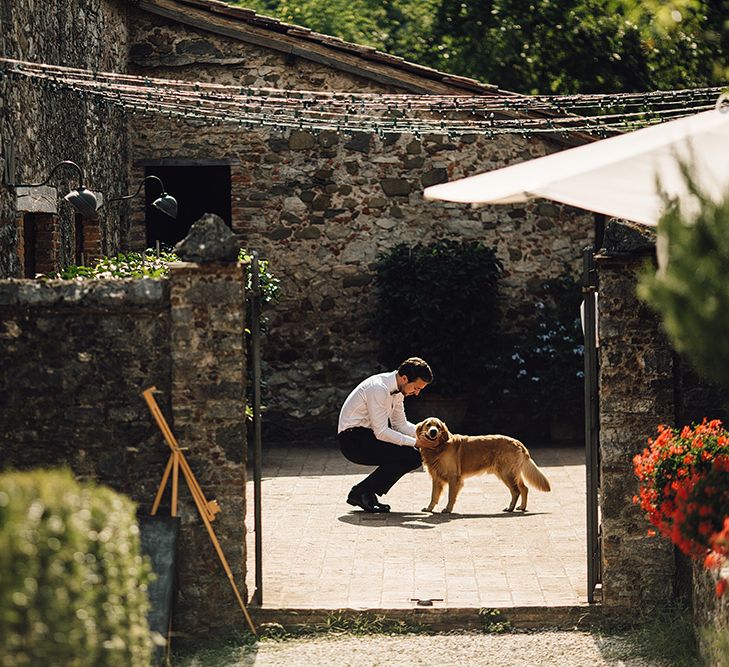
{"type": "Point", "coordinates": [438, 301]}
{"type": "Point", "coordinates": [544, 368]}
{"type": "Point", "coordinates": [72, 581]}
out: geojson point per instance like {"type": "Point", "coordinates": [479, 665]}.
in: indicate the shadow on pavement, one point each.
{"type": "Point", "coordinates": [420, 519]}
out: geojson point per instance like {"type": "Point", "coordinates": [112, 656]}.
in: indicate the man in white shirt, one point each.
{"type": "Point", "coordinates": [373, 430]}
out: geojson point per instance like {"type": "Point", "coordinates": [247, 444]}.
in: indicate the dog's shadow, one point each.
{"type": "Point", "coordinates": [421, 520]}
{"type": "Point", "coordinates": [494, 515]}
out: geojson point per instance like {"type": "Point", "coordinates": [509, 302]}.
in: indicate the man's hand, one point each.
{"type": "Point", "coordinates": [424, 443]}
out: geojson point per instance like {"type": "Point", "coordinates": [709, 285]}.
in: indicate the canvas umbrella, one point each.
{"type": "Point", "coordinates": [618, 176]}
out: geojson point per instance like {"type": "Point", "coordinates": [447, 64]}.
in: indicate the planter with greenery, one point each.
{"type": "Point", "coordinates": [149, 264]}
{"type": "Point", "coordinates": [689, 290]}
{"type": "Point", "coordinates": [438, 301]}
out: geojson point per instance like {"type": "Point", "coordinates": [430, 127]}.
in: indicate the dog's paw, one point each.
{"type": "Point", "coordinates": [507, 509]}
{"type": "Point", "coordinates": [445, 510]}
{"type": "Point", "coordinates": [427, 509]}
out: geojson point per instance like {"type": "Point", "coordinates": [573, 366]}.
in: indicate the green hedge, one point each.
{"type": "Point", "coordinates": [438, 301]}
{"type": "Point", "coordinates": [73, 585]}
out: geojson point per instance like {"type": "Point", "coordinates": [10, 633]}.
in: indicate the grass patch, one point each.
{"type": "Point", "coordinates": [218, 651]}
{"type": "Point", "coordinates": [666, 636]}
{"type": "Point", "coordinates": [364, 624]}
{"type": "Point", "coordinates": [493, 623]}
{"type": "Point", "coordinates": [231, 648]}
{"type": "Point", "coordinates": [235, 648]}
{"type": "Point", "coordinates": [716, 641]}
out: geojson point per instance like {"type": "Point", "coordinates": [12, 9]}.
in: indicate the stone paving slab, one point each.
{"type": "Point", "coordinates": [320, 553]}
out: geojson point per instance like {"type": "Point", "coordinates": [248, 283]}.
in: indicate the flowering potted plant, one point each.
{"type": "Point", "coordinates": [684, 489]}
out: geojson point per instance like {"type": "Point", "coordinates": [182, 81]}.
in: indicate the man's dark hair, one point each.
{"type": "Point", "coordinates": [415, 368]}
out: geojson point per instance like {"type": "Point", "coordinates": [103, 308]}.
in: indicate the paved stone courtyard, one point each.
{"type": "Point", "coordinates": [319, 552]}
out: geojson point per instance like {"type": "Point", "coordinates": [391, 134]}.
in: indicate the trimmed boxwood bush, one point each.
{"type": "Point", "coordinates": [73, 585]}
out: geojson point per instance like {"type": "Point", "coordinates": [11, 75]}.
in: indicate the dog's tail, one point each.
{"type": "Point", "coordinates": [534, 476]}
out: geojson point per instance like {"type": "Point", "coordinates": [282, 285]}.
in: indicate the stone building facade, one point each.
{"type": "Point", "coordinates": [321, 207]}
{"type": "Point", "coordinates": [43, 125]}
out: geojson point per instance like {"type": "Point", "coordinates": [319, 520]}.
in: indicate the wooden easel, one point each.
{"type": "Point", "coordinates": [207, 509]}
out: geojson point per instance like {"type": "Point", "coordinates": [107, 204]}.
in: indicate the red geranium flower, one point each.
{"type": "Point", "coordinates": [684, 489]}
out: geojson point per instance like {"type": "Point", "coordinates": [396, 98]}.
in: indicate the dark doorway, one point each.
{"type": "Point", "coordinates": [198, 190]}
{"type": "Point", "coordinates": [30, 241]}
{"type": "Point", "coordinates": [78, 226]}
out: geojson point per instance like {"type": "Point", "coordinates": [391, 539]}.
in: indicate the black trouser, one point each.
{"type": "Point", "coordinates": [359, 445]}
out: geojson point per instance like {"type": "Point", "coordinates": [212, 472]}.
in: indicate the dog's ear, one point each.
{"type": "Point", "coordinates": [445, 431]}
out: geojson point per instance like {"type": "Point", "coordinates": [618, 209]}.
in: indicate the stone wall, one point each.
{"type": "Point", "coordinates": [208, 406]}
{"type": "Point", "coordinates": [710, 616]}
{"type": "Point", "coordinates": [636, 395]}
{"type": "Point", "coordinates": [76, 357]}
{"type": "Point", "coordinates": [643, 383]}
{"type": "Point", "coordinates": [40, 126]}
{"type": "Point", "coordinates": [321, 207]}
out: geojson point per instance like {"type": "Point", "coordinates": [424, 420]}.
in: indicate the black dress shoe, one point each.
{"type": "Point", "coordinates": [382, 505]}
{"type": "Point", "coordinates": [366, 500]}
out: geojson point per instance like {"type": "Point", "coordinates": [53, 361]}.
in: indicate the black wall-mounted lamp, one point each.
{"type": "Point", "coordinates": [82, 199]}
{"type": "Point", "coordinates": [165, 202]}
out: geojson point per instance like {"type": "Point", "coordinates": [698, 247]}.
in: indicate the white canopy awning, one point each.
{"type": "Point", "coordinates": [616, 176]}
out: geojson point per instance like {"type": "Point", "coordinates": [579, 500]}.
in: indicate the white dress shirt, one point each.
{"type": "Point", "coordinates": [376, 403]}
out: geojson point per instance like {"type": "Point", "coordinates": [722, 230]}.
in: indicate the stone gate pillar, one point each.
{"type": "Point", "coordinates": [636, 395]}
{"type": "Point", "coordinates": [208, 410]}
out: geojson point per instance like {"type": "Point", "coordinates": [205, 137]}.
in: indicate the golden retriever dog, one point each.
{"type": "Point", "coordinates": [459, 456]}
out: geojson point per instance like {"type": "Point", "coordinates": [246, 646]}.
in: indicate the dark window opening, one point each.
{"type": "Point", "coordinates": [78, 227]}
{"type": "Point", "coordinates": [30, 243]}
{"type": "Point", "coordinates": [197, 189]}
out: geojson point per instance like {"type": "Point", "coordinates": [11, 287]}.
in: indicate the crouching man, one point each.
{"type": "Point", "coordinates": [374, 431]}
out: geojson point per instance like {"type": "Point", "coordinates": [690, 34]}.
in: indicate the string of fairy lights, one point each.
{"type": "Point", "coordinates": [488, 114]}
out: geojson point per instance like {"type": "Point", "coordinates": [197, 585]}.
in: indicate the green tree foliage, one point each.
{"type": "Point", "coordinates": [536, 46]}
{"type": "Point", "coordinates": [359, 21]}
{"type": "Point", "coordinates": [400, 27]}
{"type": "Point", "coordinates": [569, 46]}
{"type": "Point", "coordinates": [691, 290]}
{"type": "Point", "coordinates": [73, 585]}
{"type": "Point", "coordinates": [541, 46]}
